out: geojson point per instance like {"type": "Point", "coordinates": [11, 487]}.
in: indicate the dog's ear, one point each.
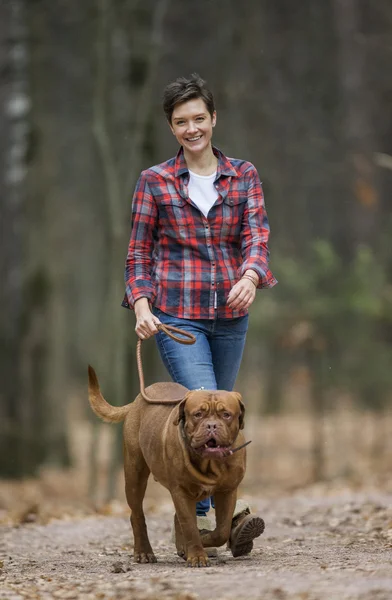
{"type": "Point", "coordinates": [242, 408]}
{"type": "Point", "coordinates": [180, 416]}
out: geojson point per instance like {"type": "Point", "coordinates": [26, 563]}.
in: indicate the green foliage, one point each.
{"type": "Point", "coordinates": [338, 314]}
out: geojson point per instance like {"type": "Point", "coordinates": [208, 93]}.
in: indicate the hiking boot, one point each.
{"type": "Point", "coordinates": [245, 527]}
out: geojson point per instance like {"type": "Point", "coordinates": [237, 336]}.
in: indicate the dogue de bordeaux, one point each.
{"type": "Point", "coordinates": [188, 449]}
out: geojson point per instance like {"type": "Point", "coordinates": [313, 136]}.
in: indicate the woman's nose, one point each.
{"type": "Point", "coordinates": [191, 127]}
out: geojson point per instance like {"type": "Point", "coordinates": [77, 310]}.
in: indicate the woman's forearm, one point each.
{"type": "Point", "coordinates": [141, 305]}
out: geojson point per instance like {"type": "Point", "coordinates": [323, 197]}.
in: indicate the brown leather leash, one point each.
{"type": "Point", "coordinates": [186, 338]}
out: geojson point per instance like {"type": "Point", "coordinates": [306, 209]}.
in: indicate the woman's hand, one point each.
{"type": "Point", "coordinates": [243, 292]}
{"type": "Point", "coordinates": [146, 322]}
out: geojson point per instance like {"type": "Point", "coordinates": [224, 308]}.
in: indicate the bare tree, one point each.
{"type": "Point", "coordinates": [119, 183]}
{"type": "Point", "coordinates": [23, 291]}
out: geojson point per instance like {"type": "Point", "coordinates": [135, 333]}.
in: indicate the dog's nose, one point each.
{"type": "Point", "coordinates": [211, 426]}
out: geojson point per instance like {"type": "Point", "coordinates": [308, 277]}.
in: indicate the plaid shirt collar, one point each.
{"type": "Point", "coordinates": [224, 165]}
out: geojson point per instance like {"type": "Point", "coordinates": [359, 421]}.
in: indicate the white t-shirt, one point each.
{"type": "Point", "coordinates": [202, 192]}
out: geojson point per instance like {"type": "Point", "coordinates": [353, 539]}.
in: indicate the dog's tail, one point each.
{"type": "Point", "coordinates": [104, 410]}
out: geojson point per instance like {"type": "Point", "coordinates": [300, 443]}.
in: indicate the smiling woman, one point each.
{"type": "Point", "coordinates": [197, 253]}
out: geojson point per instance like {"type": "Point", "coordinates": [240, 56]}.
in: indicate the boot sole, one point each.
{"type": "Point", "coordinates": [250, 529]}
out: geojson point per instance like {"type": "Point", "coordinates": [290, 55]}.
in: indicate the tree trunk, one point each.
{"type": "Point", "coordinates": [119, 183]}
{"type": "Point", "coordinates": [361, 205]}
{"type": "Point", "coordinates": [19, 416]}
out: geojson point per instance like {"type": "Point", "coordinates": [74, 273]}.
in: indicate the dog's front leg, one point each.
{"type": "Point", "coordinates": [224, 509]}
{"type": "Point", "coordinates": [186, 520]}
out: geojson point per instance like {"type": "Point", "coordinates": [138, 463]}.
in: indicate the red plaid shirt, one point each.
{"type": "Point", "coordinates": [185, 263]}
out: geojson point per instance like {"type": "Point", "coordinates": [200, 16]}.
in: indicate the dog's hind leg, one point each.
{"type": "Point", "coordinates": [136, 477]}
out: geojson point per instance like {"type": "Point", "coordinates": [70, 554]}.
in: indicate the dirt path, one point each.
{"type": "Point", "coordinates": [316, 546]}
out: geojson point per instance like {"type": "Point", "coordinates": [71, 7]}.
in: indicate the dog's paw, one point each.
{"type": "Point", "coordinates": [144, 557]}
{"type": "Point", "coordinates": [198, 560]}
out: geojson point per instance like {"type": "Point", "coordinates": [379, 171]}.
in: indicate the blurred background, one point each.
{"type": "Point", "coordinates": [304, 91]}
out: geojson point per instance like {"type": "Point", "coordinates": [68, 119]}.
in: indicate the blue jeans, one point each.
{"type": "Point", "coordinates": [211, 363]}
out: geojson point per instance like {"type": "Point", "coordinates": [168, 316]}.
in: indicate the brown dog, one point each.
{"type": "Point", "coordinates": [187, 448]}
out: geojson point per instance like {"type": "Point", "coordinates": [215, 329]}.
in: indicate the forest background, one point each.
{"type": "Point", "coordinates": [303, 90]}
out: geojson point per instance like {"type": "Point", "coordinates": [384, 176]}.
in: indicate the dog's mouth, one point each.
{"type": "Point", "coordinates": [212, 448]}
{"type": "Point", "coordinates": [212, 443]}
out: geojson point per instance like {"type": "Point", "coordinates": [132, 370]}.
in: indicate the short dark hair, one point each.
{"type": "Point", "coordinates": [184, 89]}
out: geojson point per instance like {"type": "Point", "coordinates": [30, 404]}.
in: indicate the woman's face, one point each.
{"type": "Point", "coordinates": [192, 125]}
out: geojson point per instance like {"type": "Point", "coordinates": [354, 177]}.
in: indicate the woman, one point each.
{"type": "Point", "coordinates": [197, 253]}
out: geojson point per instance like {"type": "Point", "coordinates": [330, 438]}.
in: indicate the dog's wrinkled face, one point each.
{"type": "Point", "coordinates": [212, 420]}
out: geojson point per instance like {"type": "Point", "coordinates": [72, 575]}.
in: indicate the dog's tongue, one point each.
{"type": "Point", "coordinates": [213, 450]}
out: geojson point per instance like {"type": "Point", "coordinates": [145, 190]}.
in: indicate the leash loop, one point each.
{"type": "Point", "coordinates": [187, 337]}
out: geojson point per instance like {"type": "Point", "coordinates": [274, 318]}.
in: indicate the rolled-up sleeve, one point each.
{"type": "Point", "coordinates": [139, 262]}
{"type": "Point", "coordinates": [255, 233]}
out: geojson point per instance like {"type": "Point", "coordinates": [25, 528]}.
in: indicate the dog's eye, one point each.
{"type": "Point", "coordinates": [226, 415]}
{"type": "Point", "coordinates": [198, 414]}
